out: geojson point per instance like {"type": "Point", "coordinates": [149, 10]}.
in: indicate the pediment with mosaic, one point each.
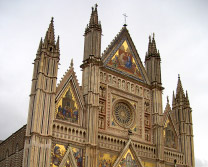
{"type": "Point", "coordinates": [123, 60]}
{"type": "Point", "coordinates": [128, 160]}
{"type": "Point", "coordinates": [58, 153]}
{"type": "Point", "coordinates": [67, 108]}
{"type": "Point", "coordinates": [170, 137]}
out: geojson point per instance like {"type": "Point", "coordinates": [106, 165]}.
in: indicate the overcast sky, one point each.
{"type": "Point", "coordinates": [180, 27]}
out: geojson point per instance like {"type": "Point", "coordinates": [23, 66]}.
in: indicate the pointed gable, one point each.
{"type": "Point", "coordinates": [121, 56]}
{"type": "Point", "coordinates": [69, 100]}
{"type": "Point", "coordinates": [169, 132]}
{"type": "Point", "coordinates": [68, 159]}
{"type": "Point", "coordinates": [128, 157]}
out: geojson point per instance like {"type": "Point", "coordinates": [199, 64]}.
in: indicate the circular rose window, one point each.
{"type": "Point", "coordinates": [123, 114]}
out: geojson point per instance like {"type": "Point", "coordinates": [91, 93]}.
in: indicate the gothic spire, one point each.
{"type": "Point", "coordinates": [167, 108]}
{"type": "Point", "coordinates": [94, 16]}
{"type": "Point", "coordinates": [179, 90]}
{"type": "Point", "coordinates": [187, 98]}
{"type": "Point", "coordinates": [173, 99]}
{"type": "Point", "coordinates": [152, 49]}
{"type": "Point", "coordinates": [40, 46]}
{"type": "Point", "coordinates": [93, 23]}
{"type": "Point", "coordinates": [50, 36]}
{"type": "Point", "coordinates": [150, 46]}
{"type": "Point", "coordinates": [57, 43]}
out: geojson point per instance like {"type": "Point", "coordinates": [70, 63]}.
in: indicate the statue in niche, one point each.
{"type": "Point", "coordinates": [114, 81]}
{"type": "Point", "coordinates": [132, 88]}
{"type": "Point", "coordinates": [109, 79]}
{"type": "Point", "coordinates": [104, 77]}
{"type": "Point", "coordinates": [102, 91]}
{"type": "Point", "coordinates": [101, 124]}
{"type": "Point", "coordinates": [101, 76]}
{"type": "Point", "coordinates": [123, 85]}
{"type": "Point", "coordinates": [146, 106]}
{"type": "Point", "coordinates": [128, 86]}
{"type": "Point", "coordinates": [68, 110]}
{"type": "Point", "coordinates": [137, 90]}
{"type": "Point", "coordinates": [102, 107]}
{"type": "Point", "coordinates": [119, 83]}
{"type": "Point", "coordinates": [170, 140]}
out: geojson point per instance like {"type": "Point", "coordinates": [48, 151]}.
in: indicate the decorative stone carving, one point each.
{"type": "Point", "coordinates": [101, 122]}
{"type": "Point", "coordinates": [119, 83]}
{"type": "Point", "coordinates": [123, 85]}
{"type": "Point", "coordinates": [102, 91]}
{"type": "Point", "coordinates": [132, 88]}
{"type": "Point", "coordinates": [147, 106]}
{"type": "Point", "coordinates": [123, 114]}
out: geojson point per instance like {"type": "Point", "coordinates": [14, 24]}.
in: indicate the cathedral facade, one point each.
{"type": "Point", "coordinates": [114, 119]}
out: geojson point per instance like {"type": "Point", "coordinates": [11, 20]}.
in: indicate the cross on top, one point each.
{"type": "Point", "coordinates": [125, 16]}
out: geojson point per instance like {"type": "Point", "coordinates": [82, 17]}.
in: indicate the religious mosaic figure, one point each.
{"type": "Point", "coordinates": [78, 156]}
{"type": "Point", "coordinates": [58, 152]}
{"type": "Point", "coordinates": [123, 60]}
{"type": "Point", "coordinates": [68, 109]}
{"type": "Point", "coordinates": [106, 159]}
{"type": "Point", "coordinates": [128, 161]}
{"type": "Point", "coordinates": [170, 140]}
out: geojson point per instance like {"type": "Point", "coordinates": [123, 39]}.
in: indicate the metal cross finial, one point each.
{"type": "Point", "coordinates": [125, 16]}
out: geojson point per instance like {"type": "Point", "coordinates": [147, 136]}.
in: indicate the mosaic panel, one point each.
{"type": "Point", "coordinates": [169, 135]}
{"type": "Point", "coordinates": [67, 108]}
{"type": "Point", "coordinates": [78, 155]}
{"type": "Point", "coordinates": [124, 61]}
{"type": "Point", "coordinates": [106, 159]}
{"type": "Point", "coordinates": [57, 154]}
{"type": "Point", "coordinates": [128, 160]}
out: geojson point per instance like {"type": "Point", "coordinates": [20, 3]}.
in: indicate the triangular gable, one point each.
{"type": "Point", "coordinates": [68, 159]}
{"type": "Point", "coordinates": [122, 57]}
{"type": "Point", "coordinates": [128, 155]}
{"type": "Point", "coordinates": [168, 118]}
{"type": "Point", "coordinates": [69, 100]}
{"type": "Point", "coordinates": [169, 132]}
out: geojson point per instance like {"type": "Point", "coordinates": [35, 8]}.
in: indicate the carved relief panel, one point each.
{"type": "Point", "coordinates": [102, 107]}
{"type": "Point", "coordinates": [124, 112]}
{"type": "Point", "coordinates": [147, 115]}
